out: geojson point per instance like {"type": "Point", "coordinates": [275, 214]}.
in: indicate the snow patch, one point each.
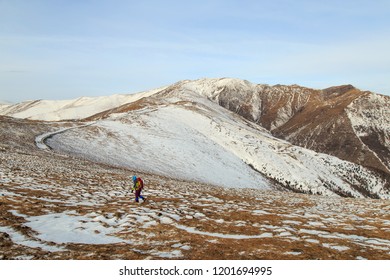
{"type": "Point", "coordinates": [224, 236]}
{"type": "Point", "coordinates": [21, 239]}
{"type": "Point", "coordinates": [67, 227]}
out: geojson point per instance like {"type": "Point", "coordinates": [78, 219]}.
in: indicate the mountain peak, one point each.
{"type": "Point", "coordinates": [338, 89]}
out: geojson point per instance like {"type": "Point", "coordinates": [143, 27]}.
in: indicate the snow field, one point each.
{"type": "Point", "coordinates": [200, 141]}
{"type": "Point", "coordinates": [161, 145]}
{"type": "Point", "coordinates": [83, 107]}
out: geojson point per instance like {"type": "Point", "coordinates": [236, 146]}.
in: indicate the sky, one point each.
{"type": "Point", "coordinates": [64, 49]}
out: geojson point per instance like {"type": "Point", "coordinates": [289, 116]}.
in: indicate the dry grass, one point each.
{"type": "Point", "coordinates": [216, 223]}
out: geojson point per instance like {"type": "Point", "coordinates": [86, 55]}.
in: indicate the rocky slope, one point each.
{"type": "Point", "coordinates": [341, 121]}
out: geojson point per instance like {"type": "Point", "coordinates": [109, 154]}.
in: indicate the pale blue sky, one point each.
{"type": "Point", "coordinates": [66, 49]}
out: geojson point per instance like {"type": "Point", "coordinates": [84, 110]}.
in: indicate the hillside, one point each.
{"type": "Point", "coordinates": [60, 207]}
{"type": "Point", "coordinates": [185, 131]}
{"type": "Point", "coordinates": [341, 121]}
{"type": "Point", "coordinates": [219, 183]}
{"type": "Point", "coordinates": [181, 134]}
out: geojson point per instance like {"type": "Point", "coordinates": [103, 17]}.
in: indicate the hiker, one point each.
{"type": "Point", "coordinates": [138, 185]}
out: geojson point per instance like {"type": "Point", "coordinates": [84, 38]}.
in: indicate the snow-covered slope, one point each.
{"type": "Point", "coordinates": [56, 110]}
{"type": "Point", "coordinates": [163, 140]}
{"type": "Point", "coordinates": [370, 119]}
{"type": "Point", "coordinates": [218, 131]}
{"type": "Point", "coordinates": [341, 121]}
{"type": "Point", "coordinates": [179, 133]}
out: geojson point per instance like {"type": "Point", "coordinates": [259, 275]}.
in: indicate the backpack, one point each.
{"type": "Point", "coordinates": [139, 184]}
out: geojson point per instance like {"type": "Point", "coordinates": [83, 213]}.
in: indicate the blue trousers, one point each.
{"type": "Point", "coordinates": [138, 195]}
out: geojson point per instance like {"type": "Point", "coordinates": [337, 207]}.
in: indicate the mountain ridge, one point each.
{"type": "Point", "coordinates": [237, 119]}
{"type": "Point", "coordinates": [295, 113]}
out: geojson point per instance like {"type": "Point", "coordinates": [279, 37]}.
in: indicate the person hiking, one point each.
{"type": "Point", "coordinates": [138, 185]}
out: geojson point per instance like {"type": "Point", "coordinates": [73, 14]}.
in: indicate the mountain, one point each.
{"type": "Point", "coordinates": [218, 185]}
{"type": "Point", "coordinates": [56, 207]}
{"type": "Point", "coordinates": [341, 121]}
{"type": "Point", "coordinates": [57, 110]}
{"type": "Point", "coordinates": [228, 132]}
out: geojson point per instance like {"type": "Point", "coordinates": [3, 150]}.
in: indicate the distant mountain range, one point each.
{"type": "Point", "coordinates": [233, 133]}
